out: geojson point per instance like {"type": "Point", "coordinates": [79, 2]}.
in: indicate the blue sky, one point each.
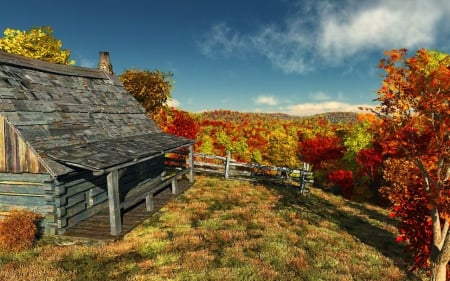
{"type": "Point", "coordinates": [296, 57]}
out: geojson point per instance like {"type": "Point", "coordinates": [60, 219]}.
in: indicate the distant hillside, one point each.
{"type": "Point", "coordinates": [240, 117]}
{"type": "Point", "coordinates": [337, 117]}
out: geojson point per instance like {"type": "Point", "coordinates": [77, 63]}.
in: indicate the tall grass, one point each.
{"type": "Point", "coordinates": [232, 230]}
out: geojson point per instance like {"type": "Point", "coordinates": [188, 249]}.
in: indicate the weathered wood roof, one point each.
{"type": "Point", "coordinates": [75, 115]}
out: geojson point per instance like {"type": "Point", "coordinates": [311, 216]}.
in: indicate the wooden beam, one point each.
{"type": "Point", "coordinates": [149, 202]}
{"type": "Point", "coordinates": [118, 167]}
{"type": "Point", "coordinates": [191, 163]}
{"type": "Point", "coordinates": [115, 220]}
{"type": "Point", "coordinates": [175, 186]}
{"type": "Point", "coordinates": [227, 164]}
{"type": "Point", "coordinates": [3, 167]}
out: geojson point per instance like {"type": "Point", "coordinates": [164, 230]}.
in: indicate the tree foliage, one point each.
{"type": "Point", "coordinates": [282, 140]}
{"type": "Point", "coordinates": [321, 149]}
{"type": "Point", "coordinates": [151, 88]}
{"type": "Point", "coordinates": [281, 149]}
{"type": "Point", "coordinates": [37, 43]}
{"type": "Point", "coordinates": [182, 123]}
{"type": "Point", "coordinates": [414, 133]}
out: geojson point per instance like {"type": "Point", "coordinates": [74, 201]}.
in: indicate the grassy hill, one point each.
{"type": "Point", "coordinates": [233, 230]}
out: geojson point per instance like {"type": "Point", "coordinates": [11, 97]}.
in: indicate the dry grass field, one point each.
{"type": "Point", "coordinates": [232, 230]}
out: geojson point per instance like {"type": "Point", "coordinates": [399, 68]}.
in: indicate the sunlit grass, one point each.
{"type": "Point", "coordinates": [231, 230]}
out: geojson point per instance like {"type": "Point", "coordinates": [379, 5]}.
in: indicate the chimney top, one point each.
{"type": "Point", "coordinates": [104, 63]}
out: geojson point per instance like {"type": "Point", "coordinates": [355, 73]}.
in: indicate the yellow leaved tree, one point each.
{"type": "Point", "coordinates": [37, 43]}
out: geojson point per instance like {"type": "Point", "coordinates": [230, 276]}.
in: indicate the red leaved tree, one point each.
{"type": "Point", "coordinates": [324, 154]}
{"type": "Point", "coordinates": [414, 108]}
{"type": "Point", "coordinates": [320, 149]}
{"type": "Point", "coordinates": [344, 180]}
{"type": "Point", "coordinates": [183, 124]}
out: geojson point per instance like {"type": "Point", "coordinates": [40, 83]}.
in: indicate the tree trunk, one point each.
{"type": "Point", "coordinates": [438, 271]}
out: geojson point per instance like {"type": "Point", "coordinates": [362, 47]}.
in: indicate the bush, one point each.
{"type": "Point", "coordinates": [18, 230]}
{"type": "Point", "coordinates": [343, 179]}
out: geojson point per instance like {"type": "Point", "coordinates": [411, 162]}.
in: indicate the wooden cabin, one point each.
{"type": "Point", "coordinates": [73, 142]}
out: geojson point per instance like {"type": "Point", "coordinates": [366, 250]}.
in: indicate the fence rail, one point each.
{"type": "Point", "coordinates": [229, 168]}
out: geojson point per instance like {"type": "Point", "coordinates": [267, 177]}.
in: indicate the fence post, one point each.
{"type": "Point", "coordinates": [227, 164]}
{"type": "Point", "coordinates": [305, 173]}
{"type": "Point", "coordinates": [190, 161]}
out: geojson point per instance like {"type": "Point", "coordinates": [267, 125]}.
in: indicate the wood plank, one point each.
{"type": "Point", "coordinates": [2, 145]}
{"type": "Point", "coordinates": [114, 202]}
{"type": "Point", "coordinates": [22, 200]}
{"type": "Point", "coordinates": [34, 166]}
{"type": "Point", "coordinates": [10, 148]}
{"type": "Point", "coordinates": [25, 177]}
{"type": "Point", "coordinates": [27, 188]}
{"type": "Point", "coordinates": [21, 155]}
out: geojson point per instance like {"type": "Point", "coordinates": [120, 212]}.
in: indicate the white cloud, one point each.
{"type": "Point", "coordinates": [221, 41]}
{"type": "Point", "coordinates": [173, 103]}
{"type": "Point", "coordinates": [319, 96]}
{"type": "Point", "coordinates": [384, 25]}
{"type": "Point", "coordinates": [327, 32]}
{"type": "Point", "coordinates": [266, 100]}
{"type": "Point", "coordinates": [306, 109]}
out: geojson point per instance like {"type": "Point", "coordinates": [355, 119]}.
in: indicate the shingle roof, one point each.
{"type": "Point", "coordinates": [77, 115]}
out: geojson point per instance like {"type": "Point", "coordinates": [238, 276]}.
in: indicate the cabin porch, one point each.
{"type": "Point", "coordinates": [97, 227]}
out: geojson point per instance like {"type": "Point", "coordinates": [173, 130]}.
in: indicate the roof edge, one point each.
{"type": "Point", "coordinates": [70, 70]}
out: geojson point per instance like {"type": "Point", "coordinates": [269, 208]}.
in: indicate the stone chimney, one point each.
{"type": "Point", "coordinates": [104, 63]}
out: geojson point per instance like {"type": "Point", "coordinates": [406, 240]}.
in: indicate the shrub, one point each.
{"type": "Point", "coordinates": [18, 230]}
{"type": "Point", "coordinates": [344, 180]}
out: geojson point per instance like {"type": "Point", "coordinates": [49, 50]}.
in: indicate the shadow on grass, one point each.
{"type": "Point", "coordinates": [355, 222]}
{"type": "Point", "coordinates": [89, 267]}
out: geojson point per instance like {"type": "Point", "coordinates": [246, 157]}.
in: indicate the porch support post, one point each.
{"type": "Point", "coordinates": [175, 186]}
{"type": "Point", "coordinates": [191, 163]}
{"type": "Point", "coordinates": [114, 202]}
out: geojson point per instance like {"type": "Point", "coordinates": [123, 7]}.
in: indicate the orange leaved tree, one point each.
{"type": "Point", "coordinates": [414, 108]}
{"type": "Point", "coordinates": [151, 89]}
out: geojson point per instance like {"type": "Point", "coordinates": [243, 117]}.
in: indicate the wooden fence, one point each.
{"type": "Point", "coordinates": [229, 168]}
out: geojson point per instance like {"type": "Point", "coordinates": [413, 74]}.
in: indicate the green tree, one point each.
{"type": "Point", "coordinates": [358, 138]}
{"type": "Point", "coordinates": [37, 43]}
{"type": "Point", "coordinates": [151, 88]}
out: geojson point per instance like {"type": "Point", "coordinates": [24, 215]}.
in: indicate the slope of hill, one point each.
{"type": "Point", "coordinates": [232, 230]}
{"type": "Point", "coordinates": [240, 117]}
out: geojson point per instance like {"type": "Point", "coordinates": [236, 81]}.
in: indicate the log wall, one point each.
{"type": "Point", "coordinates": [25, 191]}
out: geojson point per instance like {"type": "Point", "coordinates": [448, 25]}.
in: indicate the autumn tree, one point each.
{"type": "Point", "coordinates": [358, 138]}
{"type": "Point", "coordinates": [183, 124]}
{"type": "Point", "coordinates": [281, 149]}
{"type": "Point", "coordinates": [151, 88]}
{"type": "Point", "coordinates": [37, 43]}
{"type": "Point", "coordinates": [414, 108]}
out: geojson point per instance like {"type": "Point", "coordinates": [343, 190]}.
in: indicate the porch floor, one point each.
{"type": "Point", "coordinates": [97, 228]}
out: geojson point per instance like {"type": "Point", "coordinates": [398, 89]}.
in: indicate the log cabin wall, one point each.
{"type": "Point", "coordinates": [24, 182]}
{"type": "Point", "coordinates": [24, 191]}
{"type": "Point", "coordinates": [27, 191]}
{"type": "Point", "coordinates": [79, 195]}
